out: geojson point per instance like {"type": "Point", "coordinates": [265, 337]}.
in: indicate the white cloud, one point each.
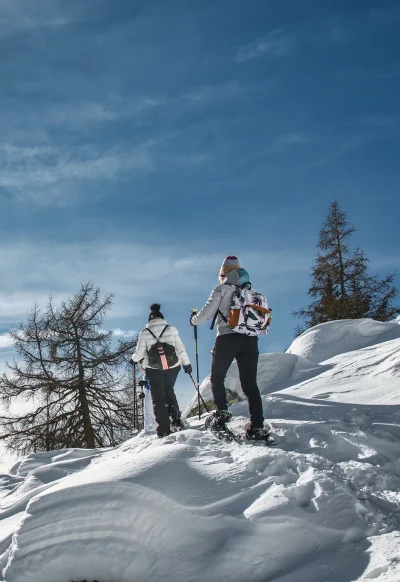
{"type": "Point", "coordinates": [118, 332]}
{"type": "Point", "coordinates": [137, 274]}
{"type": "Point", "coordinates": [274, 44]}
{"type": "Point", "coordinates": [6, 341]}
{"type": "Point", "coordinates": [37, 167]}
{"type": "Point", "coordinates": [56, 175]}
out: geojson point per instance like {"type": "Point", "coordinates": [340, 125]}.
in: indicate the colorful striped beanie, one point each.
{"type": "Point", "coordinates": [229, 264]}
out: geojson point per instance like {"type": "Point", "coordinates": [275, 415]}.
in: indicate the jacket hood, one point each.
{"type": "Point", "coordinates": [238, 277]}
{"type": "Point", "coordinates": [156, 322]}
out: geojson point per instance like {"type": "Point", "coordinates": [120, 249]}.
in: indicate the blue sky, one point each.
{"type": "Point", "coordinates": [143, 141]}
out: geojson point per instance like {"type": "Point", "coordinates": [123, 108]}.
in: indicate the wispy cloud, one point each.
{"type": "Point", "coordinates": [288, 140]}
{"type": "Point", "coordinates": [274, 44]}
{"type": "Point", "coordinates": [19, 16]}
{"type": "Point", "coordinates": [118, 332]}
{"type": "Point", "coordinates": [96, 112]}
{"type": "Point", "coordinates": [136, 108]}
{"type": "Point", "coordinates": [362, 132]}
{"type": "Point", "coordinates": [207, 92]}
{"type": "Point", "coordinates": [40, 173]}
{"type": "Point", "coordinates": [27, 171]}
{"type": "Point", "coordinates": [114, 266]}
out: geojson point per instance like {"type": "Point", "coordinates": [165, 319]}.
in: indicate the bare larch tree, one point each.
{"type": "Point", "coordinates": [68, 379]}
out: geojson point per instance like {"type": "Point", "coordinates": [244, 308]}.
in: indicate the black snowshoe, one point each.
{"type": "Point", "coordinates": [216, 424]}
{"type": "Point", "coordinates": [175, 421]}
{"type": "Point", "coordinates": [257, 435]}
{"type": "Point", "coordinates": [177, 425]}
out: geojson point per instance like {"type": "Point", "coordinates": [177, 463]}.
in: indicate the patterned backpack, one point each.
{"type": "Point", "coordinates": [249, 314]}
{"type": "Point", "coordinates": [161, 355]}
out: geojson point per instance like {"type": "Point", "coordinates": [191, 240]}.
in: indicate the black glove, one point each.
{"type": "Point", "coordinates": [132, 363]}
{"type": "Point", "coordinates": [142, 395]}
{"type": "Point", "coordinates": [188, 369]}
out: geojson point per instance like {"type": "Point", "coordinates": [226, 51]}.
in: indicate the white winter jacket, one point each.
{"type": "Point", "coordinates": [170, 336]}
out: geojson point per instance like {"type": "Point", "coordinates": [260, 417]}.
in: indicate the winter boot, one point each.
{"type": "Point", "coordinates": [175, 419]}
{"type": "Point", "coordinates": [218, 419]}
{"type": "Point", "coordinates": [256, 434]}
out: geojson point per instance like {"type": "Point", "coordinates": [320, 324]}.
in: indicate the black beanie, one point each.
{"type": "Point", "coordinates": [155, 312]}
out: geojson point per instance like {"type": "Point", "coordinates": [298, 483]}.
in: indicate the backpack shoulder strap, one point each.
{"type": "Point", "coordinates": [159, 337]}
{"type": "Point", "coordinates": [148, 329]}
{"type": "Point", "coordinates": [218, 312]}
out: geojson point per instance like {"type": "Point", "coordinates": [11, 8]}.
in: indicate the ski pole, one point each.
{"type": "Point", "coordinates": [194, 311]}
{"type": "Point", "coordinates": [198, 392]}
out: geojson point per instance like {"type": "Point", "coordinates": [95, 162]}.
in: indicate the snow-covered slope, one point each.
{"type": "Point", "coordinates": [321, 506]}
{"type": "Point", "coordinates": [337, 337]}
{"type": "Point", "coordinates": [275, 372]}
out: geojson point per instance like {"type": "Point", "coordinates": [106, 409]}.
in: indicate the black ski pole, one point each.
{"type": "Point", "coordinates": [194, 311]}
{"type": "Point", "coordinates": [198, 391]}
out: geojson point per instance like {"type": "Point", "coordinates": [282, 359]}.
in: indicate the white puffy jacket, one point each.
{"type": "Point", "coordinates": [170, 336]}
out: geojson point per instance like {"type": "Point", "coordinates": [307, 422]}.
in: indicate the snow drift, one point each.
{"type": "Point", "coordinates": [323, 505]}
{"type": "Point", "coordinates": [326, 340]}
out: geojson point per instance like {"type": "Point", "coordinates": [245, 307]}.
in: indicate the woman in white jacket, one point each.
{"type": "Point", "coordinates": [161, 354]}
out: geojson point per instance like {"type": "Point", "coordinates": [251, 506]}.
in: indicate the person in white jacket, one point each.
{"type": "Point", "coordinates": [161, 354]}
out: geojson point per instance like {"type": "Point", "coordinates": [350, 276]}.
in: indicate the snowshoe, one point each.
{"type": "Point", "coordinates": [177, 425]}
{"type": "Point", "coordinates": [216, 424]}
{"type": "Point", "coordinates": [175, 421]}
{"type": "Point", "coordinates": [219, 418]}
{"type": "Point", "coordinates": [258, 435]}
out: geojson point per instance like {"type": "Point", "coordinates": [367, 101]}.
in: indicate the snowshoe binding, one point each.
{"type": "Point", "coordinates": [258, 435]}
{"type": "Point", "coordinates": [216, 424]}
{"type": "Point", "coordinates": [177, 425]}
{"type": "Point", "coordinates": [175, 421]}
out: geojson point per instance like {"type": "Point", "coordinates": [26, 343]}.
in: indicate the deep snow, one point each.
{"type": "Point", "coordinates": [337, 337]}
{"type": "Point", "coordinates": [321, 506]}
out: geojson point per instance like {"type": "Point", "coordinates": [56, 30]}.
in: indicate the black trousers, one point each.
{"type": "Point", "coordinates": [245, 349]}
{"type": "Point", "coordinates": [162, 384]}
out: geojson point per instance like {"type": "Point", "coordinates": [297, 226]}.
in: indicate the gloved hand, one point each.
{"type": "Point", "coordinates": [141, 395]}
{"type": "Point", "coordinates": [132, 363]}
{"type": "Point", "coordinates": [188, 369]}
{"type": "Point", "coordinates": [192, 314]}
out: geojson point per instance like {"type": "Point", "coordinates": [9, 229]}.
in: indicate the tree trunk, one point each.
{"type": "Point", "coordinates": [342, 286]}
{"type": "Point", "coordinates": [87, 423]}
{"type": "Point", "coordinates": [47, 423]}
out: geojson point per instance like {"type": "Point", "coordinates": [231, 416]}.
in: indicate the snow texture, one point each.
{"type": "Point", "coordinates": [321, 506]}
{"type": "Point", "coordinates": [337, 337]}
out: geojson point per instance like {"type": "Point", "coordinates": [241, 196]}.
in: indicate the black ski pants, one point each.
{"type": "Point", "coordinates": [245, 349]}
{"type": "Point", "coordinates": [162, 384]}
